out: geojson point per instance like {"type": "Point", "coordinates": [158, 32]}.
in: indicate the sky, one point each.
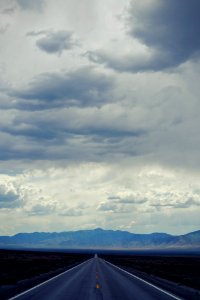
{"type": "Point", "coordinates": [99, 115]}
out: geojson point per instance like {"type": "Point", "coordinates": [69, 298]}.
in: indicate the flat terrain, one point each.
{"type": "Point", "coordinates": [182, 269]}
{"type": "Point", "coordinates": [20, 270]}
{"type": "Point", "coordinates": [97, 279]}
{"type": "Point", "coordinates": [19, 265]}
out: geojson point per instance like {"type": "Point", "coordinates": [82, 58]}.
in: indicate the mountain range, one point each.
{"type": "Point", "coordinates": [102, 239]}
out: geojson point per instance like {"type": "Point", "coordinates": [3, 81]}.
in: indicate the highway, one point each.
{"type": "Point", "coordinates": [95, 279]}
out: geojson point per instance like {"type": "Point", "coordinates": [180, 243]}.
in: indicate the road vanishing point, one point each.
{"type": "Point", "coordinates": [96, 279]}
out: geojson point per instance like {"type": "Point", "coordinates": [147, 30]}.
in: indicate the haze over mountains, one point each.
{"type": "Point", "coordinates": [99, 238]}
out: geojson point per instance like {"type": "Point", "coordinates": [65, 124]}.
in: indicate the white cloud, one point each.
{"type": "Point", "coordinates": [9, 196]}
{"type": "Point", "coordinates": [84, 193]}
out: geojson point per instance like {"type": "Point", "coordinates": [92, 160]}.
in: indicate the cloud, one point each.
{"type": "Point", "coordinates": [169, 27]}
{"type": "Point", "coordinates": [168, 31]}
{"type": "Point", "coordinates": [52, 195]}
{"type": "Point", "coordinates": [83, 87]}
{"type": "Point", "coordinates": [174, 200]}
{"type": "Point", "coordinates": [35, 5]}
{"type": "Point", "coordinates": [189, 203]}
{"type": "Point", "coordinates": [117, 204]}
{"type": "Point", "coordinates": [54, 42]}
{"type": "Point", "coordinates": [128, 199]}
{"type": "Point", "coordinates": [42, 141]}
{"type": "Point", "coordinates": [3, 29]}
{"type": "Point", "coordinates": [177, 205]}
{"type": "Point", "coordinates": [75, 133]}
{"type": "Point", "coordinates": [17, 192]}
{"type": "Point", "coordinates": [6, 17]}
{"type": "Point", "coordinates": [40, 210]}
{"type": "Point", "coordinates": [115, 198]}
{"type": "Point", "coordinates": [106, 206]}
{"type": "Point", "coordinates": [8, 10]}
{"type": "Point", "coordinates": [71, 212]}
{"type": "Point", "coordinates": [132, 201]}
{"type": "Point", "coordinates": [9, 195]}
{"type": "Point", "coordinates": [151, 124]}
{"type": "Point", "coordinates": [125, 140]}
{"type": "Point", "coordinates": [38, 33]}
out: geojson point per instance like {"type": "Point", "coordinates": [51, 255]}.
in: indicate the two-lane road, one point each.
{"type": "Point", "coordinates": [95, 279]}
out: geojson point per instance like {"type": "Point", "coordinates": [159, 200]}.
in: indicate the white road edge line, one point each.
{"type": "Point", "coordinates": [154, 286]}
{"type": "Point", "coordinates": [35, 287]}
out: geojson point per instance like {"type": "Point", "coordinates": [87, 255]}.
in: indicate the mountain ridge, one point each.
{"type": "Point", "coordinates": [100, 238]}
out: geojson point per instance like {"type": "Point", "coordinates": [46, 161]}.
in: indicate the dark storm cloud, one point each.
{"type": "Point", "coordinates": [46, 131]}
{"type": "Point", "coordinates": [72, 124]}
{"type": "Point", "coordinates": [46, 140]}
{"type": "Point", "coordinates": [54, 42]}
{"type": "Point", "coordinates": [170, 29]}
{"type": "Point", "coordinates": [36, 5]}
{"type": "Point", "coordinates": [21, 147]}
{"type": "Point", "coordinates": [38, 136]}
{"type": "Point", "coordinates": [34, 132]}
{"type": "Point", "coordinates": [84, 87]}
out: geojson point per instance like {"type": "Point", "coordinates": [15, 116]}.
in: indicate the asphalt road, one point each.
{"type": "Point", "coordinates": [95, 279]}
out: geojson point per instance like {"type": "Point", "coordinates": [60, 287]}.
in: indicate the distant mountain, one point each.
{"type": "Point", "coordinates": [99, 238]}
